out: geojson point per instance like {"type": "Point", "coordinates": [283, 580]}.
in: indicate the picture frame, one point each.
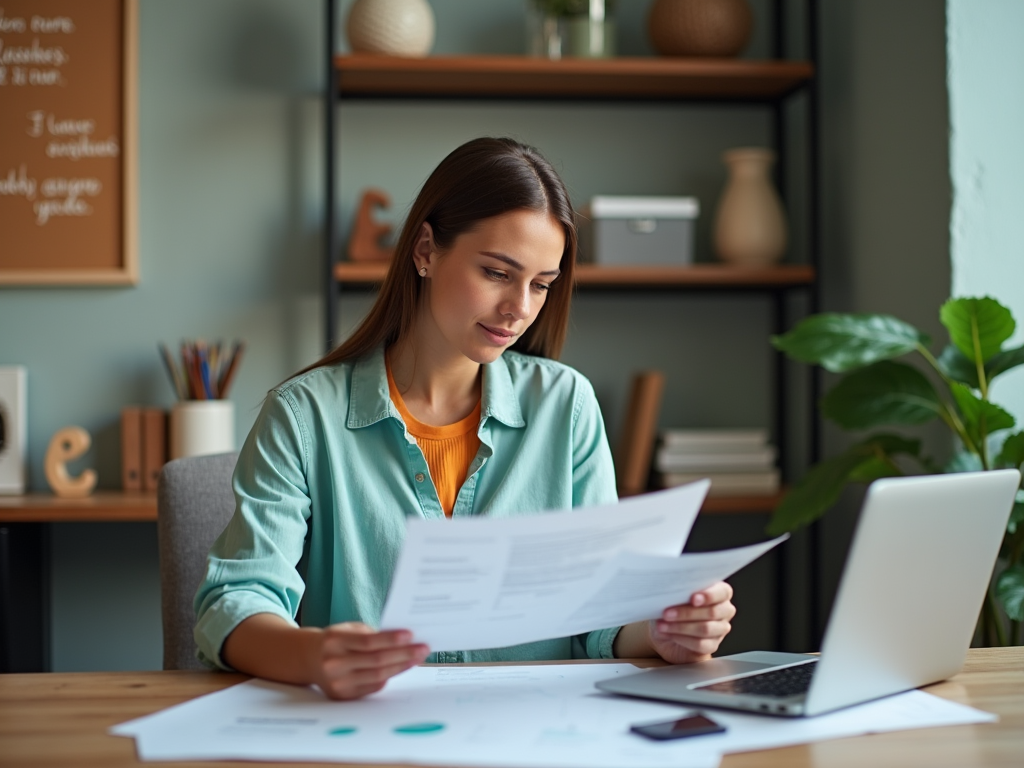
{"type": "Point", "coordinates": [13, 430]}
{"type": "Point", "coordinates": [69, 143]}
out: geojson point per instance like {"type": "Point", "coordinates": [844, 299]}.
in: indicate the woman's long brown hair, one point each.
{"type": "Point", "coordinates": [481, 179]}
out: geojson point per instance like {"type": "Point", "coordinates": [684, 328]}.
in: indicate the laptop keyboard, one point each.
{"type": "Point", "coordinates": [788, 681]}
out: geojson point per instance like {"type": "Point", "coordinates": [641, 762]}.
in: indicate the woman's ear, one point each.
{"type": "Point", "coordinates": [423, 251]}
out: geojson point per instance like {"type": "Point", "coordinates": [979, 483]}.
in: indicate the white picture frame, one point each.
{"type": "Point", "coordinates": [13, 430]}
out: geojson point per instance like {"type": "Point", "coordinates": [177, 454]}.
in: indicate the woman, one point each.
{"type": "Point", "coordinates": [445, 402]}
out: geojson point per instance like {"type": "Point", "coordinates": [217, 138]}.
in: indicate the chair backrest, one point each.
{"type": "Point", "coordinates": [194, 504]}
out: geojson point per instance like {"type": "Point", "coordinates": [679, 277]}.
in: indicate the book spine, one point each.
{"type": "Point", "coordinates": [154, 446]}
{"type": "Point", "coordinates": [131, 448]}
{"type": "Point", "coordinates": [668, 461]}
{"type": "Point", "coordinates": [633, 463]}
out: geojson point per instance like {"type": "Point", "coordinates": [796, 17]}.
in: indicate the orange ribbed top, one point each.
{"type": "Point", "coordinates": [449, 450]}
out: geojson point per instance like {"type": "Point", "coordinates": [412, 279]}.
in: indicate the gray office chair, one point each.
{"type": "Point", "coordinates": [194, 504]}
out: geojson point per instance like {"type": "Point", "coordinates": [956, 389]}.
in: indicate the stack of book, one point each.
{"type": "Point", "coordinates": [739, 462]}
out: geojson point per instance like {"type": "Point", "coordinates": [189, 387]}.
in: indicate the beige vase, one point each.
{"type": "Point", "coordinates": [391, 27]}
{"type": "Point", "coordinates": [750, 226]}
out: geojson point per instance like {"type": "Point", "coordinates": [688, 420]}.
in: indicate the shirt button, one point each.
{"type": "Point", "coordinates": [420, 477]}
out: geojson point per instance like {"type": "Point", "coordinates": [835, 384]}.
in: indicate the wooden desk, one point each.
{"type": "Point", "coordinates": [62, 719]}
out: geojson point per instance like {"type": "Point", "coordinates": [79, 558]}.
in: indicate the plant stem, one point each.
{"type": "Point", "coordinates": [885, 457]}
{"type": "Point", "coordinates": [948, 414]}
{"type": "Point", "coordinates": [927, 355]}
{"type": "Point", "coordinates": [998, 631]}
{"type": "Point", "coordinates": [1014, 633]}
{"type": "Point", "coordinates": [978, 362]}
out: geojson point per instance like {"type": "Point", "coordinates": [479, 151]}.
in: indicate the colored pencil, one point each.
{"type": "Point", "coordinates": [206, 370]}
{"type": "Point", "coordinates": [229, 374]}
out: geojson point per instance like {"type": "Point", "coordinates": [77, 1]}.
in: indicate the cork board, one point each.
{"type": "Point", "coordinates": [68, 128]}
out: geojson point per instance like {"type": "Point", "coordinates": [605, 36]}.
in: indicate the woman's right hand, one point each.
{"type": "Point", "coordinates": [346, 660]}
{"type": "Point", "coordinates": [352, 660]}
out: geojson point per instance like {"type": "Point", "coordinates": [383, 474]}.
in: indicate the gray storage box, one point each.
{"type": "Point", "coordinates": [640, 230]}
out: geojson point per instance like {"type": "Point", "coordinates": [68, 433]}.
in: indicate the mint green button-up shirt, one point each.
{"type": "Point", "coordinates": [329, 473]}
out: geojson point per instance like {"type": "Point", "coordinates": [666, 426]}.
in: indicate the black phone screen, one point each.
{"type": "Point", "coordinates": [692, 725]}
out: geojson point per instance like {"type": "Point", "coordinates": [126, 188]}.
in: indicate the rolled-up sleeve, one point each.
{"type": "Point", "coordinates": [252, 566]}
{"type": "Point", "coordinates": [593, 482]}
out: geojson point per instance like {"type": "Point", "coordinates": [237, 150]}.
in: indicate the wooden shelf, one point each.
{"type": "Point", "coordinates": [119, 506]}
{"type": "Point", "coordinates": [697, 276]}
{"type": "Point", "coordinates": [102, 506]}
{"type": "Point", "coordinates": [524, 77]}
{"type": "Point", "coordinates": [728, 505]}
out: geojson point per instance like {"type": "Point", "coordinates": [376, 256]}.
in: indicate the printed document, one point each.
{"type": "Point", "coordinates": [493, 582]}
{"type": "Point", "coordinates": [530, 716]}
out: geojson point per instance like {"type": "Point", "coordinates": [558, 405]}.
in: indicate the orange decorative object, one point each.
{"type": "Point", "coordinates": [67, 444]}
{"type": "Point", "coordinates": [367, 233]}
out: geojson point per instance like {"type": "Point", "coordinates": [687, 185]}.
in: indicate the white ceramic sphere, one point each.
{"type": "Point", "coordinates": [393, 27]}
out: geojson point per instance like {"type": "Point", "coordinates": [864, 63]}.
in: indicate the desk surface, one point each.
{"type": "Point", "coordinates": [62, 719]}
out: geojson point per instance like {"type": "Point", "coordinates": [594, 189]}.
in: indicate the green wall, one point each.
{"type": "Point", "coordinates": [231, 203]}
{"type": "Point", "coordinates": [886, 192]}
{"type": "Point", "coordinates": [986, 79]}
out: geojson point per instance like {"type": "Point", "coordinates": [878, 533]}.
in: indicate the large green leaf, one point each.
{"type": "Point", "coordinates": [964, 461]}
{"type": "Point", "coordinates": [1004, 361]}
{"type": "Point", "coordinates": [816, 492]}
{"type": "Point", "coordinates": [956, 366]}
{"type": "Point", "coordinates": [884, 393]}
{"type": "Point", "coordinates": [981, 417]}
{"type": "Point", "coordinates": [892, 445]}
{"type": "Point", "coordinates": [874, 468]}
{"type": "Point", "coordinates": [1016, 517]}
{"type": "Point", "coordinates": [978, 327]}
{"type": "Point", "coordinates": [821, 486]}
{"type": "Point", "coordinates": [1012, 452]}
{"type": "Point", "coordinates": [1010, 591]}
{"type": "Point", "coordinates": [844, 342]}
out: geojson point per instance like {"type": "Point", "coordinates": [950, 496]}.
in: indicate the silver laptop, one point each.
{"type": "Point", "coordinates": [904, 615]}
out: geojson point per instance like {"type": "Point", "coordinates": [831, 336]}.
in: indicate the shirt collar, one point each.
{"type": "Point", "coordinates": [499, 396]}
{"type": "Point", "coordinates": [370, 401]}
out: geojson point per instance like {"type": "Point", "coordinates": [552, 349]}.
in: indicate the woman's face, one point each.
{"type": "Point", "coordinates": [487, 289]}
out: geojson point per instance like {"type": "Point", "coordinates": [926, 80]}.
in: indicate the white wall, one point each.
{"type": "Point", "coordinates": [986, 149]}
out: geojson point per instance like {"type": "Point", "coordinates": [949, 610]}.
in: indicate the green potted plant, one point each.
{"type": "Point", "coordinates": [584, 28]}
{"type": "Point", "coordinates": [877, 391]}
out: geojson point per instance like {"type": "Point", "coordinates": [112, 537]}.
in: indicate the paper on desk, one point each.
{"type": "Point", "coordinates": [494, 582]}
{"type": "Point", "coordinates": [538, 716]}
{"type": "Point", "coordinates": [542, 716]}
{"type": "Point", "coordinates": [912, 709]}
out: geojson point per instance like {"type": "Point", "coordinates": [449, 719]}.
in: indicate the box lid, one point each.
{"type": "Point", "coordinates": [608, 207]}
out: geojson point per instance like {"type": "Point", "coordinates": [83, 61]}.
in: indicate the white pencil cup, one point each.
{"type": "Point", "coordinates": [200, 427]}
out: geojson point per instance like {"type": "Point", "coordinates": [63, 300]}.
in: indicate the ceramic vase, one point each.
{"type": "Point", "coordinates": [392, 27]}
{"type": "Point", "coordinates": [201, 427]}
{"type": "Point", "coordinates": [750, 226]}
{"type": "Point", "coordinates": [699, 27]}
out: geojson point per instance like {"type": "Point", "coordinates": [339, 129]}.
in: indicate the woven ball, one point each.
{"type": "Point", "coordinates": [393, 27]}
{"type": "Point", "coordinates": [700, 27]}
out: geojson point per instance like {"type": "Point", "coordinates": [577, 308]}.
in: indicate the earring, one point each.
{"type": "Point", "coordinates": [423, 271]}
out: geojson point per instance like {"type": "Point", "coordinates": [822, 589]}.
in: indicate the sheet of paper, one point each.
{"type": "Point", "coordinates": [493, 582]}
{"type": "Point", "coordinates": [913, 709]}
{"type": "Point", "coordinates": [637, 587]}
{"type": "Point", "coordinates": [528, 716]}
{"type": "Point", "coordinates": [543, 716]}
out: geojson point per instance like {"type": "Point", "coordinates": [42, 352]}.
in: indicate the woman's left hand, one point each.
{"type": "Point", "coordinates": [693, 632]}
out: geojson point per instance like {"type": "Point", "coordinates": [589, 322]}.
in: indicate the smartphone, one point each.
{"type": "Point", "coordinates": [696, 724]}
